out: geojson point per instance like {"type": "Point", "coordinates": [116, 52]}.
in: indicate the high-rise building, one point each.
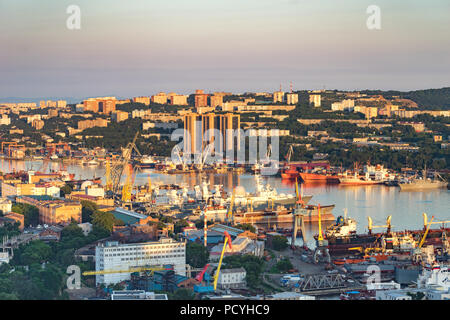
{"type": "Point", "coordinates": [104, 105]}
{"type": "Point", "coordinates": [200, 128]}
{"type": "Point", "coordinates": [201, 99]}
{"type": "Point", "coordinates": [216, 100]}
{"type": "Point", "coordinates": [278, 96]}
{"type": "Point", "coordinates": [315, 99]}
{"type": "Point", "coordinates": [177, 99]}
{"type": "Point", "coordinates": [160, 98]}
{"type": "Point", "coordinates": [292, 98]}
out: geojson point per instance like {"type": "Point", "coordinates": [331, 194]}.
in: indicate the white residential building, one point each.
{"type": "Point", "coordinates": [115, 256]}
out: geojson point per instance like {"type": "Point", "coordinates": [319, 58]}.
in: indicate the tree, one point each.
{"type": "Point", "coordinates": [182, 294]}
{"type": "Point", "coordinates": [196, 255]}
{"type": "Point", "coordinates": [31, 213]}
{"type": "Point", "coordinates": [279, 243]}
{"type": "Point", "coordinates": [87, 210]}
{"type": "Point", "coordinates": [103, 220]}
{"type": "Point", "coordinates": [246, 226]}
{"type": "Point", "coordinates": [179, 225]}
{"type": "Point", "coordinates": [66, 189]}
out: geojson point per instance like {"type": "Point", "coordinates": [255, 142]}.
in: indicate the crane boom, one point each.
{"type": "Point", "coordinates": [227, 239]}
{"type": "Point", "coordinates": [425, 234]}
{"type": "Point", "coordinates": [131, 270]}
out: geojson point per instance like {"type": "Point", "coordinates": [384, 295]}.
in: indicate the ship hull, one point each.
{"type": "Point", "coordinates": [314, 177]}
{"type": "Point", "coordinates": [422, 186]}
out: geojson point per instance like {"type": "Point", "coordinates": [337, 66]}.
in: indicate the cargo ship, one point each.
{"type": "Point", "coordinates": [318, 177]}
{"type": "Point", "coordinates": [284, 215]}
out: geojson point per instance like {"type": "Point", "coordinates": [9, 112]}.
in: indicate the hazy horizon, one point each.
{"type": "Point", "coordinates": [144, 47]}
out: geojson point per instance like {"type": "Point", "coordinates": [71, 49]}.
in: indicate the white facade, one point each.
{"type": "Point", "coordinates": [115, 256]}
{"type": "Point", "coordinates": [232, 278]}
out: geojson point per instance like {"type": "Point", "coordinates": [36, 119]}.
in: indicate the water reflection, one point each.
{"type": "Point", "coordinates": [376, 201]}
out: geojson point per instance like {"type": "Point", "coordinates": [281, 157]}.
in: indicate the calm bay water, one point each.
{"type": "Point", "coordinates": [376, 201]}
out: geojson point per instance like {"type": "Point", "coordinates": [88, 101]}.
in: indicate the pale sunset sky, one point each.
{"type": "Point", "coordinates": [141, 47]}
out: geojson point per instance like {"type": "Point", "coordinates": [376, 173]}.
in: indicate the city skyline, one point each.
{"type": "Point", "coordinates": [234, 46]}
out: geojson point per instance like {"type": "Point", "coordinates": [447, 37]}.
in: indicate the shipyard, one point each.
{"type": "Point", "coordinates": [221, 159]}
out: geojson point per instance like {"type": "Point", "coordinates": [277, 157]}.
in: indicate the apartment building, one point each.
{"type": "Point", "coordinates": [86, 124]}
{"type": "Point", "coordinates": [115, 256]}
{"type": "Point", "coordinates": [119, 116]}
{"type": "Point", "coordinates": [292, 98]}
{"type": "Point", "coordinates": [177, 99]}
{"type": "Point", "coordinates": [278, 96]}
{"type": "Point", "coordinates": [160, 98]}
{"type": "Point", "coordinates": [53, 210]}
{"type": "Point", "coordinates": [198, 130]}
{"type": "Point", "coordinates": [200, 99]}
{"type": "Point", "coordinates": [315, 99]}
{"type": "Point", "coordinates": [144, 100]}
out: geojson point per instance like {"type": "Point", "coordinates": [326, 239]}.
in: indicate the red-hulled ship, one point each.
{"type": "Point", "coordinates": [318, 177]}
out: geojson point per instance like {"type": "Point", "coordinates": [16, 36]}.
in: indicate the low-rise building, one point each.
{"type": "Point", "coordinates": [115, 256]}
{"type": "Point", "coordinates": [232, 278]}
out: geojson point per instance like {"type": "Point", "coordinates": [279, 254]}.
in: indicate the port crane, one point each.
{"type": "Point", "coordinates": [321, 243]}
{"type": "Point", "coordinates": [120, 164]}
{"type": "Point", "coordinates": [298, 217]}
{"type": "Point", "coordinates": [227, 240]}
{"type": "Point", "coordinates": [426, 222]}
{"type": "Point", "coordinates": [388, 225]}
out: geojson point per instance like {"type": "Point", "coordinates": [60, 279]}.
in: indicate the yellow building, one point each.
{"type": "Point", "coordinates": [144, 100]}
{"type": "Point", "coordinates": [52, 210]}
{"type": "Point", "coordinates": [160, 98]}
{"type": "Point", "coordinates": [292, 98]}
{"type": "Point", "coordinates": [315, 99]}
{"type": "Point", "coordinates": [278, 96]}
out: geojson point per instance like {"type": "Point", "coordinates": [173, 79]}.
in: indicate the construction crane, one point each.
{"type": "Point", "coordinates": [388, 225]}
{"type": "Point", "coordinates": [227, 240]}
{"type": "Point", "coordinates": [120, 164]}
{"type": "Point", "coordinates": [130, 270]}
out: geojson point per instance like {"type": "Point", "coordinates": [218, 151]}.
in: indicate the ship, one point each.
{"type": "Point", "coordinates": [283, 215]}
{"type": "Point", "coordinates": [357, 180]}
{"type": "Point", "coordinates": [423, 183]}
{"type": "Point", "coordinates": [289, 173]}
{"type": "Point", "coordinates": [318, 177]}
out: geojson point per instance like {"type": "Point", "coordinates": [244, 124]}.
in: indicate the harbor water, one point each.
{"type": "Point", "coordinates": [376, 201]}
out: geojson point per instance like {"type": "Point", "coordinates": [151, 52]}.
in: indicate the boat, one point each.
{"type": "Point", "coordinates": [423, 183]}
{"type": "Point", "coordinates": [147, 162]}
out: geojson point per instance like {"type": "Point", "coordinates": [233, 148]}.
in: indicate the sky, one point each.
{"type": "Point", "coordinates": [141, 47]}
